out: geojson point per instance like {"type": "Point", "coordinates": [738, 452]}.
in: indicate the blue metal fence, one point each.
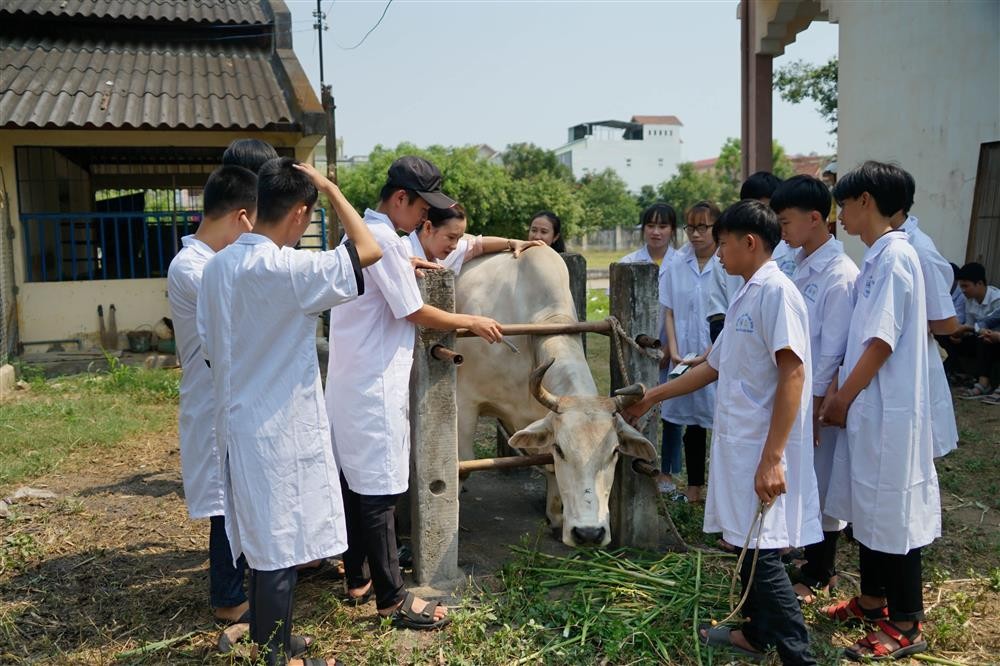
{"type": "Point", "coordinates": [64, 247]}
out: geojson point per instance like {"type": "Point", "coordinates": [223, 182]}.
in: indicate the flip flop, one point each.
{"type": "Point", "coordinates": [226, 644]}
{"type": "Point", "coordinates": [718, 636]}
{"type": "Point", "coordinates": [364, 598]}
{"type": "Point", "coordinates": [242, 619]}
{"type": "Point", "coordinates": [405, 617]}
{"type": "Point", "coordinates": [327, 566]}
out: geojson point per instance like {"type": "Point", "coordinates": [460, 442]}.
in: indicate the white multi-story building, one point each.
{"type": "Point", "coordinates": [643, 151]}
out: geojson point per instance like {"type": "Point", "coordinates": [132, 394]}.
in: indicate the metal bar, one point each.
{"type": "Point", "coordinates": [512, 462]}
{"type": "Point", "coordinates": [104, 252]}
{"type": "Point", "coordinates": [58, 248]}
{"type": "Point", "coordinates": [72, 247]}
{"type": "Point", "coordinates": [28, 264]}
{"type": "Point", "coordinates": [41, 248]}
{"type": "Point", "coordinates": [118, 249]}
{"type": "Point", "coordinates": [647, 342]}
{"type": "Point", "coordinates": [145, 246]}
{"type": "Point", "coordinates": [90, 258]}
{"type": "Point", "coordinates": [442, 353]}
{"type": "Point", "coordinates": [131, 250]}
{"type": "Point", "coordinates": [548, 329]}
{"type": "Point", "coordinates": [322, 230]}
{"type": "Point", "coordinates": [159, 241]}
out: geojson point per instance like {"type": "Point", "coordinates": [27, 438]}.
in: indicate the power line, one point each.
{"type": "Point", "coordinates": [377, 24]}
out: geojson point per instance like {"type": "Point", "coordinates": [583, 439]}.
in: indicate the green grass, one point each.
{"type": "Point", "coordinates": [603, 258]}
{"type": "Point", "coordinates": [60, 416]}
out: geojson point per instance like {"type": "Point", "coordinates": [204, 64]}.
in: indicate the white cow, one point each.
{"type": "Point", "coordinates": [563, 414]}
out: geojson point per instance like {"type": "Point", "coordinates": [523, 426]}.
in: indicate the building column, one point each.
{"type": "Point", "coordinates": [756, 71]}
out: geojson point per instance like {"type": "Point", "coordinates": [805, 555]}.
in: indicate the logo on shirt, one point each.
{"type": "Point", "coordinates": [787, 266]}
{"type": "Point", "coordinates": [744, 323]}
{"type": "Point", "coordinates": [811, 291]}
{"type": "Point", "coordinates": [868, 286]}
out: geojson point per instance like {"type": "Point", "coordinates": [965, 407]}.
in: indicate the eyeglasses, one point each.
{"type": "Point", "coordinates": [700, 228]}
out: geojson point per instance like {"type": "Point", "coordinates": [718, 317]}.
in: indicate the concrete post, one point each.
{"type": "Point", "coordinates": [434, 483]}
{"type": "Point", "coordinates": [635, 521]}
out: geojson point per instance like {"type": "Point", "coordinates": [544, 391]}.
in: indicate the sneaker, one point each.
{"type": "Point", "coordinates": [666, 487]}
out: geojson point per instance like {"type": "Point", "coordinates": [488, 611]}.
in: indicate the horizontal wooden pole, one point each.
{"type": "Point", "coordinates": [548, 329]}
{"type": "Point", "coordinates": [510, 462]}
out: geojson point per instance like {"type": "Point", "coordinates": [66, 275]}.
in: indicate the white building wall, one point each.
{"type": "Point", "coordinates": [919, 85]}
{"type": "Point", "coordinates": [647, 162]}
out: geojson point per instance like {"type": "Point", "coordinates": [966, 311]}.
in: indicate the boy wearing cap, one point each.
{"type": "Point", "coordinates": [367, 392]}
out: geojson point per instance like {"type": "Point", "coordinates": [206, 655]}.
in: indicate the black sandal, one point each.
{"type": "Point", "coordinates": [364, 598]}
{"type": "Point", "coordinates": [405, 617]}
{"type": "Point", "coordinates": [299, 645]}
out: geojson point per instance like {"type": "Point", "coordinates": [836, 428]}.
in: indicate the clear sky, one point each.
{"type": "Point", "coordinates": [457, 73]}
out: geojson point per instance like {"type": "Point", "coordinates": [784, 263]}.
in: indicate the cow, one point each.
{"type": "Point", "coordinates": [545, 394]}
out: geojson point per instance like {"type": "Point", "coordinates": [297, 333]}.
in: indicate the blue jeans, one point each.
{"type": "Point", "coordinates": [225, 581]}
{"type": "Point", "coordinates": [670, 447]}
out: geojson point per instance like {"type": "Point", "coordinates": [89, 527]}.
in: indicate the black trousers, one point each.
{"type": "Point", "coordinates": [271, 597]}
{"type": "Point", "coordinates": [986, 354]}
{"type": "Point", "coordinates": [821, 559]}
{"type": "Point", "coordinates": [225, 580]}
{"type": "Point", "coordinates": [371, 539]}
{"type": "Point", "coordinates": [772, 613]}
{"type": "Point", "coordinates": [694, 454]}
{"type": "Point", "coordinates": [897, 578]}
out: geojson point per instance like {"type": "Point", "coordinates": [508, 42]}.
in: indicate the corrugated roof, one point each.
{"type": "Point", "coordinates": [199, 11]}
{"type": "Point", "coordinates": [92, 84]}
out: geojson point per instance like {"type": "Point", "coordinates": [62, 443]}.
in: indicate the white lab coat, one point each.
{"type": "Point", "coordinates": [642, 256]}
{"type": "Point", "coordinates": [938, 277]}
{"type": "Point", "coordinates": [784, 256]}
{"type": "Point", "coordinates": [368, 380]}
{"type": "Point", "coordinates": [689, 290]}
{"type": "Point", "coordinates": [826, 280]}
{"type": "Point", "coordinates": [883, 479]}
{"type": "Point", "coordinates": [453, 261]}
{"type": "Point", "coordinates": [201, 465]}
{"type": "Point", "coordinates": [257, 314]}
{"type": "Point", "coordinates": [766, 316]}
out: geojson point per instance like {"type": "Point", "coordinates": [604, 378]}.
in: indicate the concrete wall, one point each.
{"type": "Point", "coordinates": [647, 162]}
{"type": "Point", "coordinates": [57, 310]}
{"type": "Point", "coordinates": [919, 85]}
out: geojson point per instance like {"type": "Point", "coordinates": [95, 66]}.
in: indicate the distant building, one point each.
{"type": "Point", "coordinates": [343, 162]}
{"type": "Point", "coordinates": [803, 165]}
{"type": "Point", "coordinates": [642, 151]}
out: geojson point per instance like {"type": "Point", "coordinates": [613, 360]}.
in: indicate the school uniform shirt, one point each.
{"type": "Point", "coordinates": [976, 312]}
{"type": "Point", "coordinates": [825, 279]}
{"type": "Point", "coordinates": [368, 378]}
{"type": "Point", "coordinates": [201, 466]}
{"type": "Point", "coordinates": [688, 290]}
{"type": "Point", "coordinates": [784, 256]}
{"type": "Point", "coordinates": [938, 277]}
{"type": "Point", "coordinates": [766, 316]}
{"type": "Point", "coordinates": [642, 256]}
{"type": "Point", "coordinates": [883, 478]}
{"type": "Point", "coordinates": [468, 248]}
{"type": "Point", "coordinates": [257, 315]}
{"type": "Point", "coordinates": [958, 299]}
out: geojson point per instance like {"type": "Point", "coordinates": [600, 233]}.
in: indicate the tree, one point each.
{"type": "Point", "coordinates": [525, 160]}
{"type": "Point", "coordinates": [605, 202]}
{"type": "Point", "coordinates": [688, 187]}
{"type": "Point", "coordinates": [729, 168]}
{"type": "Point", "coordinates": [800, 81]}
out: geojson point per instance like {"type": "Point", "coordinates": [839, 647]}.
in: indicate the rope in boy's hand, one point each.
{"type": "Point", "coordinates": [758, 519]}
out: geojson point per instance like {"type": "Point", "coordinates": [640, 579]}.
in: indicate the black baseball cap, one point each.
{"type": "Point", "coordinates": [417, 174]}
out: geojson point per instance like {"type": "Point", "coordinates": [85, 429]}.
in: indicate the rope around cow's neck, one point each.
{"type": "Point", "coordinates": [758, 519]}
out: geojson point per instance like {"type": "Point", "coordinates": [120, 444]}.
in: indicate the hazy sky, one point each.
{"type": "Point", "coordinates": [457, 73]}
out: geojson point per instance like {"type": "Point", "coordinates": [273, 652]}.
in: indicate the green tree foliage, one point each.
{"type": "Point", "coordinates": [501, 198]}
{"type": "Point", "coordinates": [800, 81]}
{"type": "Point", "coordinates": [688, 187]}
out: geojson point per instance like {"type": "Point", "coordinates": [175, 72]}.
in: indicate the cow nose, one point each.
{"type": "Point", "coordinates": [585, 535]}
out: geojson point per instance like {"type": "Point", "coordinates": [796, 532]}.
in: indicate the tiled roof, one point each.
{"type": "Point", "coordinates": [93, 84]}
{"type": "Point", "coordinates": [657, 120]}
{"type": "Point", "coordinates": [198, 11]}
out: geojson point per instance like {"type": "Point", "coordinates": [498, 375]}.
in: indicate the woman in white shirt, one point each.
{"type": "Point", "coordinates": [547, 227]}
{"type": "Point", "coordinates": [441, 239]}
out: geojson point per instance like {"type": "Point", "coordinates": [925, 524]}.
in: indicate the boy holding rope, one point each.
{"type": "Point", "coordinates": [762, 363]}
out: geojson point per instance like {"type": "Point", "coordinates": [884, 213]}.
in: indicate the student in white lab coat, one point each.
{"type": "Point", "coordinates": [441, 240]}
{"type": "Point", "coordinates": [230, 206]}
{"type": "Point", "coordinates": [257, 313]}
{"type": "Point", "coordinates": [367, 392]}
{"type": "Point", "coordinates": [825, 276]}
{"type": "Point", "coordinates": [692, 285]}
{"type": "Point", "coordinates": [659, 231]}
{"type": "Point", "coordinates": [941, 320]}
{"type": "Point", "coordinates": [761, 186]}
{"type": "Point", "coordinates": [762, 363]}
{"type": "Point", "coordinates": [883, 479]}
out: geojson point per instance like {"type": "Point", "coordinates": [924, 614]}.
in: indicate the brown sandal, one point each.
{"type": "Point", "coordinates": [852, 611]}
{"type": "Point", "coordinates": [875, 650]}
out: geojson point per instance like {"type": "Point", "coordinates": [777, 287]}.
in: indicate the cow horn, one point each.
{"type": "Point", "coordinates": [539, 392]}
{"type": "Point", "coordinates": [628, 396]}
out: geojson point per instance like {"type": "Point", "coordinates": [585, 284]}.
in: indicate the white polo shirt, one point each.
{"type": "Point", "coordinates": [201, 465]}
{"type": "Point", "coordinates": [766, 316]}
{"type": "Point", "coordinates": [257, 313]}
{"type": "Point", "coordinates": [938, 277]}
{"type": "Point", "coordinates": [883, 478]}
{"type": "Point", "coordinates": [975, 311]}
{"type": "Point", "coordinates": [368, 378]}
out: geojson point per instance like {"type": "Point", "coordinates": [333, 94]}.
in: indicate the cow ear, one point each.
{"type": "Point", "coordinates": [631, 442]}
{"type": "Point", "coordinates": [536, 438]}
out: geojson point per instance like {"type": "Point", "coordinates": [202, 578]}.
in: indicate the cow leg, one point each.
{"type": "Point", "coordinates": [553, 501]}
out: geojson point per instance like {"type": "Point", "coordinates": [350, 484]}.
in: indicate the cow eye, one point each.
{"type": "Point", "coordinates": [559, 451]}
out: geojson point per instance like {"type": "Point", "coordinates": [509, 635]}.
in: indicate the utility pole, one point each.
{"type": "Point", "coordinates": [329, 108]}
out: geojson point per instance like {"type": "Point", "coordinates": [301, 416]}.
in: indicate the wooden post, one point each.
{"type": "Point", "coordinates": [576, 264]}
{"type": "Point", "coordinates": [434, 483]}
{"type": "Point", "coordinates": [635, 521]}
